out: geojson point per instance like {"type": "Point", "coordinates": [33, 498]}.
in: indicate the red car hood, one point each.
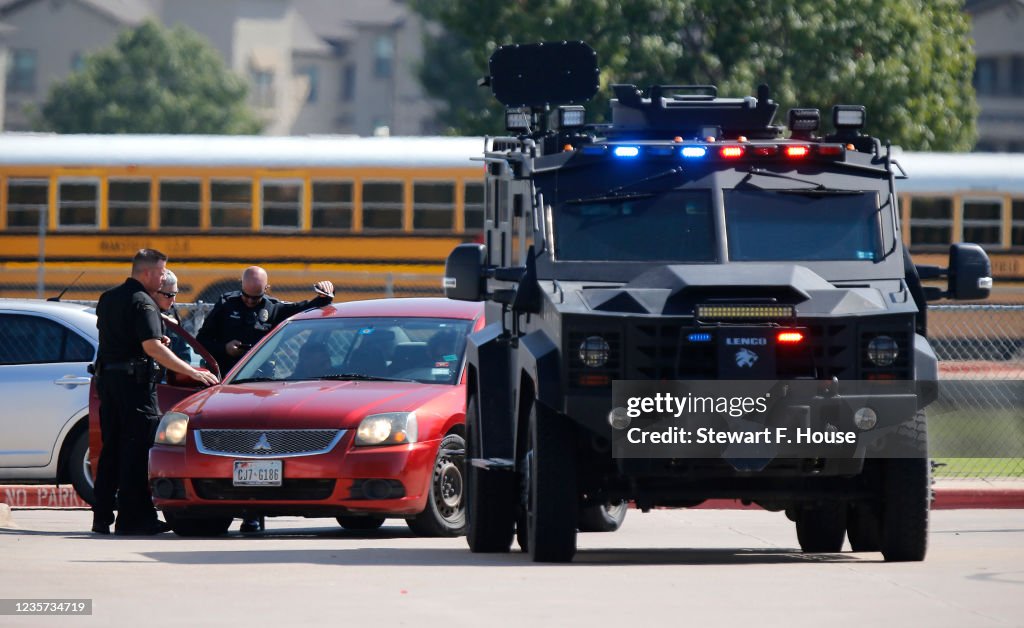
{"type": "Point", "coordinates": [305, 405]}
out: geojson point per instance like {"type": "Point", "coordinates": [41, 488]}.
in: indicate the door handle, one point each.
{"type": "Point", "coordinates": [72, 380]}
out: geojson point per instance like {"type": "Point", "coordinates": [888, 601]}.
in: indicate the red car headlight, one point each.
{"type": "Point", "coordinates": [172, 429]}
{"type": "Point", "coordinates": [387, 428]}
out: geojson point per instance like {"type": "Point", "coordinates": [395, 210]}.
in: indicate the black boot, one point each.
{"type": "Point", "coordinates": [251, 524]}
{"type": "Point", "coordinates": [101, 522]}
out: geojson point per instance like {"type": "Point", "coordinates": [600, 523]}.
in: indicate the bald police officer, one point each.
{"type": "Point", "coordinates": [241, 318]}
{"type": "Point", "coordinates": [132, 344]}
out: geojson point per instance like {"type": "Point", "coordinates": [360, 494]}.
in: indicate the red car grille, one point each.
{"type": "Point", "coordinates": [266, 443]}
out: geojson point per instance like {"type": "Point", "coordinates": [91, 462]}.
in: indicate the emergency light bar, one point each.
{"type": "Point", "coordinates": [744, 152]}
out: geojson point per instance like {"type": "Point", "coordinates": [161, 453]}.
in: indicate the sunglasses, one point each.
{"type": "Point", "coordinates": [251, 297]}
{"type": "Point", "coordinates": [169, 295]}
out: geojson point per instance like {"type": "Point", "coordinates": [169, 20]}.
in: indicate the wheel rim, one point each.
{"type": "Point", "coordinates": [87, 469]}
{"type": "Point", "coordinates": [448, 486]}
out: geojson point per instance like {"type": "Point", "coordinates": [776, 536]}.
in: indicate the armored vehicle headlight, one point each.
{"type": "Point", "coordinates": [594, 351]}
{"type": "Point", "coordinates": [883, 351]}
{"type": "Point", "coordinates": [172, 429]}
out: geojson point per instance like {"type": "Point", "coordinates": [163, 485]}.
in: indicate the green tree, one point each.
{"type": "Point", "coordinates": [909, 61]}
{"type": "Point", "coordinates": [152, 80]}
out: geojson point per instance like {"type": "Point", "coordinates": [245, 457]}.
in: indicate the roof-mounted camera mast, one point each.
{"type": "Point", "coordinates": [543, 87]}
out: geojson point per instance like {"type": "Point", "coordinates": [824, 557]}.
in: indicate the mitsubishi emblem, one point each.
{"type": "Point", "coordinates": [262, 444]}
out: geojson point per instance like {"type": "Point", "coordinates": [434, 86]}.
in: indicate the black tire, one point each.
{"type": "Point", "coordinates": [522, 536]}
{"type": "Point", "coordinates": [606, 517]}
{"type": "Point", "coordinates": [821, 529]}
{"type": "Point", "coordinates": [490, 496]}
{"type": "Point", "coordinates": [362, 524]}
{"type": "Point", "coordinates": [79, 469]}
{"type": "Point", "coordinates": [863, 528]}
{"type": "Point", "coordinates": [906, 498]}
{"type": "Point", "coordinates": [445, 514]}
{"type": "Point", "coordinates": [198, 526]}
{"type": "Point", "coordinates": [553, 503]}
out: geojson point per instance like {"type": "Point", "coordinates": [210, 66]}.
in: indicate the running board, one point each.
{"type": "Point", "coordinates": [494, 464]}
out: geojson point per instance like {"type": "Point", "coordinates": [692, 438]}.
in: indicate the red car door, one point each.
{"type": "Point", "coordinates": [172, 389]}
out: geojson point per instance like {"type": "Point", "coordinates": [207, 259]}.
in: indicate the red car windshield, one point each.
{"type": "Point", "coordinates": [428, 350]}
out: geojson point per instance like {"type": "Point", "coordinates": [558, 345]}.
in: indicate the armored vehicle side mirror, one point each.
{"type": "Point", "coordinates": [970, 272]}
{"type": "Point", "coordinates": [465, 274]}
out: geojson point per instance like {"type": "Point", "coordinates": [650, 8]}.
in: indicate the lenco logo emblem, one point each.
{"type": "Point", "coordinates": [748, 342]}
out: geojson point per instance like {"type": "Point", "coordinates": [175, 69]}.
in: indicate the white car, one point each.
{"type": "Point", "coordinates": [45, 350]}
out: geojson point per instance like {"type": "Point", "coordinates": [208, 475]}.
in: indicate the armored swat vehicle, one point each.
{"type": "Point", "coordinates": [691, 241]}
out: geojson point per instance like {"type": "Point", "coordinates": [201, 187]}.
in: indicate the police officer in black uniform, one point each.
{"type": "Point", "coordinates": [132, 345]}
{"type": "Point", "coordinates": [240, 319]}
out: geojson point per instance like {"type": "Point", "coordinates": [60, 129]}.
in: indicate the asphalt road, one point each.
{"type": "Point", "coordinates": [696, 567]}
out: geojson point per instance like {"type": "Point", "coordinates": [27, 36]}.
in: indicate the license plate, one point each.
{"type": "Point", "coordinates": [257, 473]}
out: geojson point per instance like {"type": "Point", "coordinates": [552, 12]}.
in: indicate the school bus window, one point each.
{"type": "Point", "coordinates": [26, 202]}
{"type": "Point", "coordinates": [382, 205]}
{"type": "Point", "coordinates": [474, 206]}
{"type": "Point", "coordinates": [230, 204]}
{"type": "Point", "coordinates": [931, 220]}
{"type": "Point", "coordinates": [179, 204]}
{"type": "Point", "coordinates": [433, 205]}
{"type": "Point", "coordinates": [128, 203]}
{"type": "Point", "coordinates": [332, 205]}
{"type": "Point", "coordinates": [282, 204]}
{"type": "Point", "coordinates": [78, 201]}
{"type": "Point", "coordinates": [982, 221]}
{"type": "Point", "coordinates": [1017, 233]}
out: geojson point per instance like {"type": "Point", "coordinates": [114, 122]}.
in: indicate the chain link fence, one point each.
{"type": "Point", "coordinates": [976, 427]}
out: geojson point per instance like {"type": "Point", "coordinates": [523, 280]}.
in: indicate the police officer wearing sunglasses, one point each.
{"type": "Point", "coordinates": [241, 318]}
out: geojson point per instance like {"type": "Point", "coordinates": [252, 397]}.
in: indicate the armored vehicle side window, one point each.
{"type": "Point", "coordinates": [673, 227]}
{"type": "Point", "coordinates": [775, 226]}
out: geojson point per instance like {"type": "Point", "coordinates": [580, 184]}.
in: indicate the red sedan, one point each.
{"type": "Point", "coordinates": [354, 411]}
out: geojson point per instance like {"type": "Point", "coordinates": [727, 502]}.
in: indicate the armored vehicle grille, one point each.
{"type": "Point", "coordinates": [657, 352]}
{"type": "Point", "coordinates": [831, 353]}
{"type": "Point", "coordinates": [266, 443]}
{"type": "Point", "coordinates": [290, 490]}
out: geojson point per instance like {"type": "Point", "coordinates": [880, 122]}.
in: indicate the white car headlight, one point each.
{"type": "Point", "coordinates": [172, 429]}
{"type": "Point", "coordinates": [388, 428]}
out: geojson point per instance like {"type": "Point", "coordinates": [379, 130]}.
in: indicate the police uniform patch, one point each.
{"type": "Point", "coordinates": [146, 307]}
{"type": "Point", "coordinates": [264, 315]}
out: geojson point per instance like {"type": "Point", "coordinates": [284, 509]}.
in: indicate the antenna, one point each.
{"type": "Point", "coordinates": [57, 298]}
